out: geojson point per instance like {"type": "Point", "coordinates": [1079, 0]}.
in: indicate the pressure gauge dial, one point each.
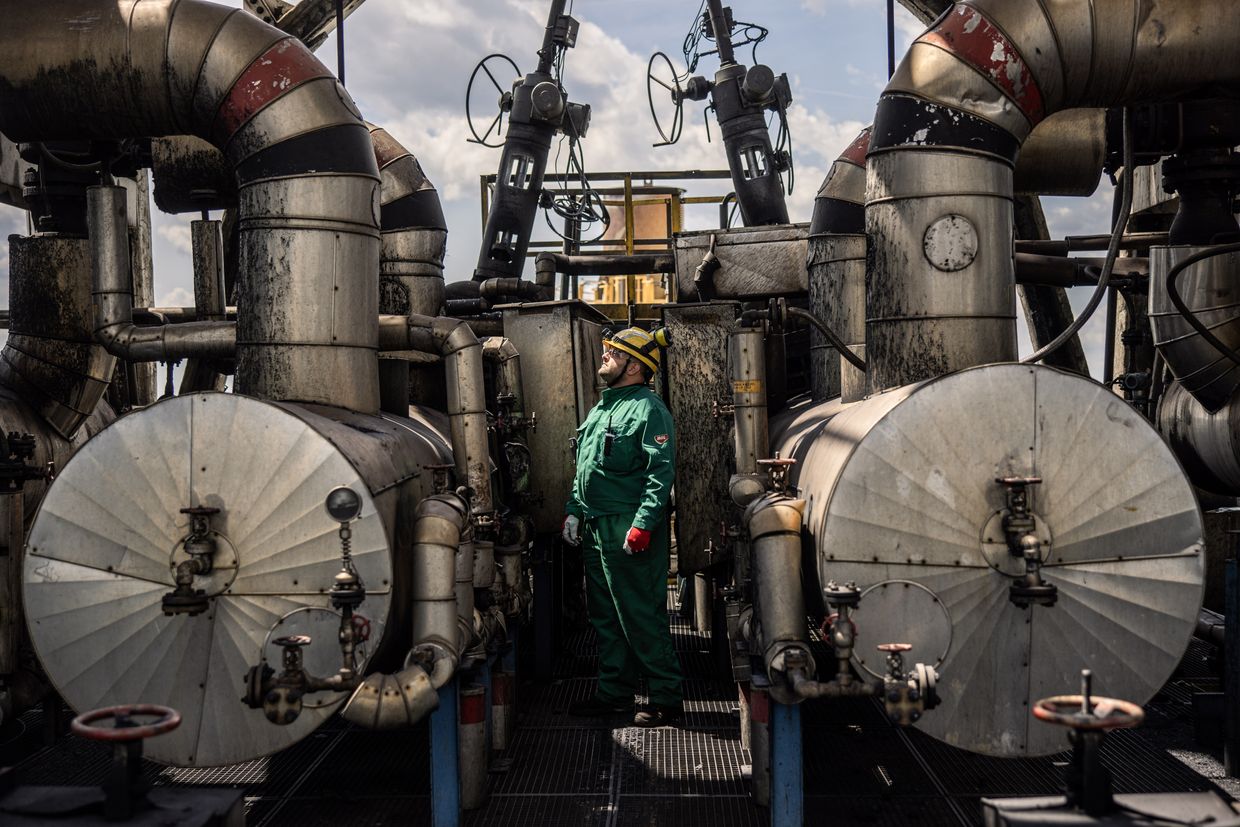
{"type": "Point", "coordinates": [343, 504]}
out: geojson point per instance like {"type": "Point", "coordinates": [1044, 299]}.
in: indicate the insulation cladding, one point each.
{"type": "Point", "coordinates": [697, 385]}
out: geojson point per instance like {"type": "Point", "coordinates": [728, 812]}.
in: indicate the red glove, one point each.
{"type": "Point", "coordinates": [637, 540]}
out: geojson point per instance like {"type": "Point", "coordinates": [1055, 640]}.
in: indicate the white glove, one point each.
{"type": "Point", "coordinates": [572, 530]}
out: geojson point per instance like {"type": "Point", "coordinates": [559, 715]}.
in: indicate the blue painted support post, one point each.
{"type": "Point", "coordinates": [1231, 668]}
{"type": "Point", "coordinates": [445, 782]}
{"type": "Point", "coordinates": [787, 784]}
{"type": "Point", "coordinates": [484, 678]}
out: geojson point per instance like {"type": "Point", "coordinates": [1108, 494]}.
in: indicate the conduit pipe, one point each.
{"type": "Point", "coordinates": [453, 340]}
{"type": "Point", "coordinates": [948, 129]}
{"type": "Point", "coordinates": [308, 183]}
{"type": "Point", "coordinates": [390, 701]}
{"type": "Point", "coordinates": [112, 292]}
{"type": "Point", "coordinates": [747, 361]}
{"type": "Point", "coordinates": [503, 353]}
{"type": "Point", "coordinates": [413, 231]}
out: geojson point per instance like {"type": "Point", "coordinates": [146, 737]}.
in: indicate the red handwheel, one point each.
{"type": "Point", "coordinates": [169, 719]}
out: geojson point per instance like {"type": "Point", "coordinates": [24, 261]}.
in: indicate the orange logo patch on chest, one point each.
{"type": "Point", "coordinates": [661, 439]}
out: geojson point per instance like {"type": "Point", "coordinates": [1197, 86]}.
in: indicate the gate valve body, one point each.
{"type": "Point", "coordinates": [907, 696]}
{"type": "Point", "coordinates": [200, 546]}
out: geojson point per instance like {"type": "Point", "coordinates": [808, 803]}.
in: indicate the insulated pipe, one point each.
{"type": "Point", "coordinates": [747, 358]}
{"type": "Point", "coordinates": [112, 292]}
{"type": "Point", "coordinates": [503, 353]}
{"type": "Point", "coordinates": [308, 184]}
{"type": "Point", "coordinates": [50, 358]}
{"type": "Point", "coordinates": [948, 129]}
{"type": "Point", "coordinates": [774, 525]}
{"type": "Point", "coordinates": [467, 414]}
{"type": "Point", "coordinates": [1207, 444]}
{"type": "Point", "coordinates": [439, 522]}
{"type": "Point", "coordinates": [413, 231]}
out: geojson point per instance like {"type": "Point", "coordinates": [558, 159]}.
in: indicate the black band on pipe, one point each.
{"type": "Point", "coordinates": [902, 121]}
{"type": "Point", "coordinates": [419, 210]}
{"type": "Point", "coordinates": [340, 149]}
{"type": "Point", "coordinates": [833, 215]}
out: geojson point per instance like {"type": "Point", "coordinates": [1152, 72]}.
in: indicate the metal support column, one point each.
{"type": "Point", "coordinates": [1231, 667]}
{"type": "Point", "coordinates": [787, 784]}
{"type": "Point", "coordinates": [445, 780]}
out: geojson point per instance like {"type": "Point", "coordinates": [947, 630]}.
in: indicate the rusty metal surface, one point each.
{"type": "Point", "coordinates": [899, 488]}
{"type": "Point", "coordinates": [697, 380]}
{"type": "Point", "coordinates": [755, 262]}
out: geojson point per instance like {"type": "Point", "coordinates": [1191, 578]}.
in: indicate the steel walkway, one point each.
{"type": "Point", "coordinates": [566, 771]}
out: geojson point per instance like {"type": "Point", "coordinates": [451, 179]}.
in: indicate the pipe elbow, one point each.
{"type": "Point", "coordinates": [499, 349]}
{"type": "Point", "coordinates": [392, 701]}
{"type": "Point", "coordinates": [774, 514]}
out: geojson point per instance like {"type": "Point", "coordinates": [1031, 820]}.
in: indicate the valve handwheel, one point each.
{"type": "Point", "coordinates": [672, 85]}
{"type": "Point", "coordinates": [168, 720]}
{"type": "Point", "coordinates": [504, 104]}
{"type": "Point", "coordinates": [361, 628]}
{"type": "Point", "coordinates": [1104, 713]}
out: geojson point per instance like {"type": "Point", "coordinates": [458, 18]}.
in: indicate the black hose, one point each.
{"type": "Point", "coordinates": [838, 343]}
{"type": "Point", "coordinates": [1172, 293]}
{"type": "Point", "coordinates": [1104, 280]}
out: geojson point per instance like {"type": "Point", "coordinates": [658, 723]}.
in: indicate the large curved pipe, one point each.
{"type": "Point", "coordinates": [308, 183]}
{"type": "Point", "coordinates": [503, 353]}
{"type": "Point", "coordinates": [948, 129]}
{"type": "Point", "coordinates": [414, 232]}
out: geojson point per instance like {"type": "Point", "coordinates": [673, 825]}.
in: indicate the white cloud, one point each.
{"type": "Point", "coordinates": [176, 297]}
{"type": "Point", "coordinates": [178, 235]}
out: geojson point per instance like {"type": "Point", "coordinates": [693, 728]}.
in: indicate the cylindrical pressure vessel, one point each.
{"type": "Point", "coordinates": [906, 494]}
{"type": "Point", "coordinates": [110, 534]}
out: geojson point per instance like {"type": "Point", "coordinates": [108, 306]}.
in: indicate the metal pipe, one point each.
{"type": "Point", "coordinates": [414, 233]}
{"type": "Point", "coordinates": [50, 358]}
{"type": "Point", "coordinates": [948, 129]}
{"type": "Point", "coordinates": [498, 290]}
{"type": "Point", "coordinates": [747, 360]}
{"type": "Point", "coordinates": [112, 293]}
{"type": "Point", "coordinates": [462, 354]}
{"type": "Point", "coordinates": [549, 264]}
{"type": "Point", "coordinates": [503, 353]}
{"type": "Point", "coordinates": [439, 522]}
{"type": "Point", "coordinates": [302, 156]}
{"type": "Point", "coordinates": [1207, 444]}
{"type": "Point", "coordinates": [774, 525]}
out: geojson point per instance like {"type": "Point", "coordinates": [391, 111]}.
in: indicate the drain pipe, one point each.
{"type": "Point", "coordinates": [112, 292]}
{"type": "Point", "coordinates": [402, 699]}
{"type": "Point", "coordinates": [948, 129]}
{"type": "Point", "coordinates": [305, 166]}
{"type": "Point", "coordinates": [747, 360]}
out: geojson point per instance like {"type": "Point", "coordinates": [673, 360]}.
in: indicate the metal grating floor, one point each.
{"type": "Point", "coordinates": [560, 770]}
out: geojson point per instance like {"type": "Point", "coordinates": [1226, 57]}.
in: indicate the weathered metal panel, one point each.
{"type": "Point", "coordinates": [755, 261]}
{"type": "Point", "coordinates": [560, 344]}
{"type": "Point", "coordinates": [697, 377]}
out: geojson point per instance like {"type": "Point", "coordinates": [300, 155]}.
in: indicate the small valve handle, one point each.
{"type": "Point", "coordinates": [1106, 714]}
{"type": "Point", "coordinates": [777, 462]}
{"type": "Point", "coordinates": [169, 719]}
{"type": "Point", "coordinates": [361, 628]}
{"type": "Point", "coordinates": [894, 647]}
{"type": "Point", "coordinates": [295, 641]}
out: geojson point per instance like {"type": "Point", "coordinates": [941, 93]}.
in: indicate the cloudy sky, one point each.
{"type": "Point", "coordinates": [408, 63]}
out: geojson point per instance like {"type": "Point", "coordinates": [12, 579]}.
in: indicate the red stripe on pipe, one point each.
{"type": "Point", "coordinates": [501, 689]}
{"type": "Point", "coordinates": [387, 149]}
{"type": "Point", "coordinates": [277, 71]}
{"type": "Point", "coordinates": [473, 705]}
{"type": "Point", "coordinates": [855, 154]}
{"type": "Point", "coordinates": [759, 706]}
{"type": "Point", "coordinates": [968, 34]}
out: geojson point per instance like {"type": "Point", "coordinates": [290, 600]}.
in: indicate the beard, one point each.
{"type": "Point", "coordinates": [611, 373]}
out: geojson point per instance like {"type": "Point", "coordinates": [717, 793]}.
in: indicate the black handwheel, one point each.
{"type": "Point", "coordinates": [505, 98]}
{"type": "Point", "coordinates": [672, 85]}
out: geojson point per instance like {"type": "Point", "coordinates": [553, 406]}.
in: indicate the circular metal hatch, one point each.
{"type": "Point", "coordinates": [904, 487]}
{"type": "Point", "coordinates": [101, 552]}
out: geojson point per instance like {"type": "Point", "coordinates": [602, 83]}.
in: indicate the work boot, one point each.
{"type": "Point", "coordinates": [657, 715]}
{"type": "Point", "coordinates": [595, 707]}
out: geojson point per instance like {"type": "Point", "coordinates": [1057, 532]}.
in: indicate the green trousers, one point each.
{"type": "Point", "coordinates": [626, 597]}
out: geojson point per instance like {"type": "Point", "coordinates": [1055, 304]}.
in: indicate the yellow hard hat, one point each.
{"type": "Point", "coordinates": [639, 344]}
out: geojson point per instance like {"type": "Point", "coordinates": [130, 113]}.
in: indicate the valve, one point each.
{"type": "Point", "coordinates": [1089, 719]}
{"type": "Point", "coordinates": [201, 548]}
{"type": "Point", "coordinates": [907, 696]}
{"type": "Point", "coordinates": [16, 451]}
{"type": "Point", "coordinates": [123, 787]}
{"type": "Point", "coordinates": [1021, 531]}
{"type": "Point", "coordinates": [777, 472]}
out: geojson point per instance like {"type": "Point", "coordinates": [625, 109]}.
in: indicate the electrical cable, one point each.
{"type": "Point", "coordinates": [1174, 295]}
{"type": "Point", "coordinates": [1104, 279]}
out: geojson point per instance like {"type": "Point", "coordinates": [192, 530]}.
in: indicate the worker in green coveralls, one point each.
{"type": "Point", "coordinates": [617, 514]}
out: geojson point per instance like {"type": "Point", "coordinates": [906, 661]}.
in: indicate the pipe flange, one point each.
{"type": "Point", "coordinates": [224, 563]}
{"type": "Point", "coordinates": [995, 548]}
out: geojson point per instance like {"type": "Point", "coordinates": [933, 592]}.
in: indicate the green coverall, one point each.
{"type": "Point", "coordinates": [626, 595]}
